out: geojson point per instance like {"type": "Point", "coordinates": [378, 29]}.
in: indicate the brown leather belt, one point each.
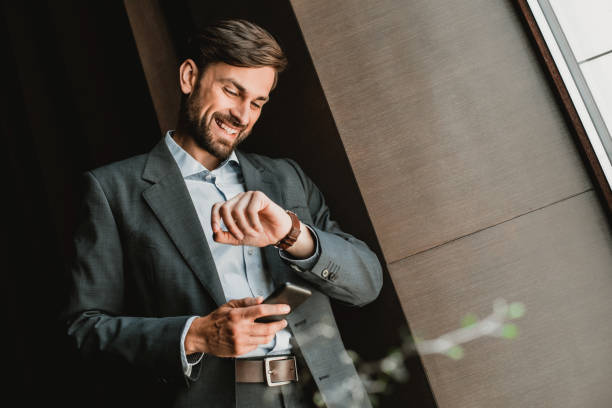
{"type": "Point", "coordinates": [276, 370]}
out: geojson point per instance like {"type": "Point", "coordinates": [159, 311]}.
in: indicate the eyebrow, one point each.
{"type": "Point", "coordinates": [242, 89]}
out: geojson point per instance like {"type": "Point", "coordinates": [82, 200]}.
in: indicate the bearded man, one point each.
{"type": "Point", "coordinates": [177, 248]}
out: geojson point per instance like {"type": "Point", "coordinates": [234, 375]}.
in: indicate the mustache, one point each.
{"type": "Point", "coordinates": [232, 120]}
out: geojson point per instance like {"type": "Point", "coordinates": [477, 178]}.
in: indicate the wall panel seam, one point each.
{"type": "Point", "coordinates": [491, 226]}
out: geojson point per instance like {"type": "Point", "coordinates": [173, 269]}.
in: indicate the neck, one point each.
{"type": "Point", "coordinates": [190, 146]}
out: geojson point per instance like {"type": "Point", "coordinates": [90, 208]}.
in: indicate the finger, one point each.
{"type": "Point", "coordinates": [232, 201]}
{"type": "Point", "coordinates": [252, 211]}
{"type": "Point", "coordinates": [225, 237]}
{"type": "Point", "coordinates": [215, 218]}
{"type": "Point", "coordinates": [253, 312]}
{"type": "Point", "coordinates": [226, 216]}
{"type": "Point", "coordinates": [245, 302]}
{"type": "Point", "coordinates": [260, 340]}
{"type": "Point", "coordinates": [238, 214]}
{"type": "Point", "coordinates": [267, 329]}
{"type": "Point", "coordinates": [247, 348]}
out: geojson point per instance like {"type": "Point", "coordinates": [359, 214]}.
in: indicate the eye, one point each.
{"type": "Point", "coordinates": [230, 91]}
{"type": "Point", "coordinates": [256, 106]}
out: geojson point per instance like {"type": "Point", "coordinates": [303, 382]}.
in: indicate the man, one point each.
{"type": "Point", "coordinates": [177, 249]}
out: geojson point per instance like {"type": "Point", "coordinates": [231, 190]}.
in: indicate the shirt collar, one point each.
{"type": "Point", "coordinates": [190, 166]}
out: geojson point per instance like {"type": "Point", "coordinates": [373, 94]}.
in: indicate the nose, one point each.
{"type": "Point", "coordinates": [241, 112]}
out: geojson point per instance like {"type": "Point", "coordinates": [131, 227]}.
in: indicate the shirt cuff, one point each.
{"type": "Point", "coordinates": [189, 361]}
{"type": "Point", "coordinates": [303, 264]}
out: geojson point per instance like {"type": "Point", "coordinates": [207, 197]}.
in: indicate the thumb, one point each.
{"type": "Point", "coordinates": [245, 302]}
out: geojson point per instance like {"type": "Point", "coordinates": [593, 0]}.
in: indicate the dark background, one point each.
{"type": "Point", "coordinates": [74, 98]}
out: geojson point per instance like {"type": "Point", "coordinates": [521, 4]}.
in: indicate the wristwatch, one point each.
{"type": "Point", "coordinates": [293, 234]}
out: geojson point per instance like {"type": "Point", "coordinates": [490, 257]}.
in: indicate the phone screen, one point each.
{"type": "Point", "coordinates": [287, 294]}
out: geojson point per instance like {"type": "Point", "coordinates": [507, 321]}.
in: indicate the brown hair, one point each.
{"type": "Point", "coordinates": [235, 42]}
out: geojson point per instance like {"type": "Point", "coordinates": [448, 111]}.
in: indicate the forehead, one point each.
{"type": "Point", "coordinates": [257, 82]}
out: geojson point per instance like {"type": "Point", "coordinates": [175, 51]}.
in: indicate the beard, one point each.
{"type": "Point", "coordinates": [201, 132]}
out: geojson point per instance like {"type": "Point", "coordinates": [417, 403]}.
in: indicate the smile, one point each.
{"type": "Point", "coordinates": [227, 128]}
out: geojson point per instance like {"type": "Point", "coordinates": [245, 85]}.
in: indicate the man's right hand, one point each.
{"type": "Point", "coordinates": [231, 330]}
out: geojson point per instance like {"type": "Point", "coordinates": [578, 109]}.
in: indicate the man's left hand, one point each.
{"type": "Point", "coordinates": [253, 219]}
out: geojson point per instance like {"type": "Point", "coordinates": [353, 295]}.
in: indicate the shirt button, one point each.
{"type": "Point", "coordinates": [250, 252]}
{"type": "Point", "coordinates": [325, 273]}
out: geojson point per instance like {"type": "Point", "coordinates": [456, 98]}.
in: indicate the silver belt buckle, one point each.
{"type": "Point", "coordinates": [268, 370]}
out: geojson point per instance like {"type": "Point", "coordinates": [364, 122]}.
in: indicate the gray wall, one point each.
{"type": "Point", "coordinates": [476, 191]}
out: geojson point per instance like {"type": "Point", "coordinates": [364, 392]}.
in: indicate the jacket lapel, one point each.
{"type": "Point", "coordinates": [169, 199]}
{"type": "Point", "coordinates": [258, 178]}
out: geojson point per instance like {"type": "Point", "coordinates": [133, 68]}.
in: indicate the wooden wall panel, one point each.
{"type": "Point", "coordinates": [158, 58]}
{"type": "Point", "coordinates": [445, 114]}
{"type": "Point", "coordinates": [557, 262]}
{"type": "Point", "coordinates": [476, 191]}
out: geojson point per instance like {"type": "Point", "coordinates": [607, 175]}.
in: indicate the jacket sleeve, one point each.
{"type": "Point", "coordinates": [346, 269]}
{"type": "Point", "coordinates": [95, 313]}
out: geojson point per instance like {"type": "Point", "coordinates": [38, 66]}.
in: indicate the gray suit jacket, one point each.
{"type": "Point", "coordinates": [143, 267]}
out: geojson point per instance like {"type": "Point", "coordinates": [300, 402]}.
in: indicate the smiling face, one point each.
{"type": "Point", "coordinates": [224, 104]}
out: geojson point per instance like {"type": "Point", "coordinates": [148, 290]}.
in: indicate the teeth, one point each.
{"type": "Point", "coordinates": [228, 129]}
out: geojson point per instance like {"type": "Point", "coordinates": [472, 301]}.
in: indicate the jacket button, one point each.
{"type": "Point", "coordinates": [325, 273]}
{"type": "Point", "coordinates": [332, 276]}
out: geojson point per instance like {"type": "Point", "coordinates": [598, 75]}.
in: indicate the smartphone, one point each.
{"type": "Point", "coordinates": [286, 294]}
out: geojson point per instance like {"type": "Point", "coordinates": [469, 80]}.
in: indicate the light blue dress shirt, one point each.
{"type": "Point", "coordinates": [240, 268]}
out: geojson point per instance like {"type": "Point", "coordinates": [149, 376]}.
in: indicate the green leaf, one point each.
{"type": "Point", "coordinates": [391, 363]}
{"type": "Point", "coordinates": [455, 352]}
{"type": "Point", "coordinates": [353, 355]}
{"type": "Point", "coordinates": [509, 331]}
{"type": "Point", "coordinates": [516, 310]}
{"type": "Point", "coordinates": [469, 319]}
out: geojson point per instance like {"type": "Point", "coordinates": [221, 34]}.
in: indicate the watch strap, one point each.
{"type": "Point", "coordinates": [293, 234]}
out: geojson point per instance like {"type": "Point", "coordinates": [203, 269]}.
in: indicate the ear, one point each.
{"type": "Point", "coordinates": [188, 75]}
